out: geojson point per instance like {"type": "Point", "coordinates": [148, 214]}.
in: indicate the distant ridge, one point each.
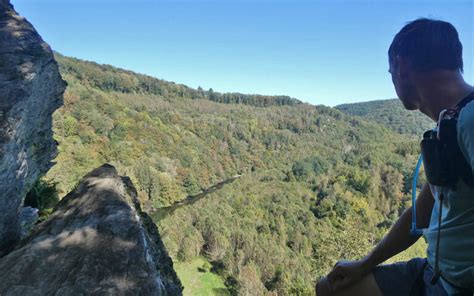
{"type": "Point", "coordinates": [109, 78]}
{"type": "Point", "coordinates": [391, 114]}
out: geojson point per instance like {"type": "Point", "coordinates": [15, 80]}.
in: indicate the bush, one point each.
{"type": "Point", "coordinates": [42, 196]}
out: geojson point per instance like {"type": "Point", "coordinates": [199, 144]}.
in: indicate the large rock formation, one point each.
{"type": "Point", "coordinates": [98, 240]}
{"type": "Point", "coordinates": [93, 243]}
{"type": "Point", "coordinates": [30, 90]}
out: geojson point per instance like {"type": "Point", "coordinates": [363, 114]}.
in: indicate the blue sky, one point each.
{"type": "Point", "coordinates": [322, 52]}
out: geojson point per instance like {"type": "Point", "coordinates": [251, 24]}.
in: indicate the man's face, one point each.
{"type": "Point", "coordinates": [403, 87]}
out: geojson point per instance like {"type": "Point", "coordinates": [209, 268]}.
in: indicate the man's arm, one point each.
{"type": "Point", "coordinates": [397, 240]}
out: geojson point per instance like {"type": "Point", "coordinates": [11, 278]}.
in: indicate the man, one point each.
{"type": "Point", "coordinates": [425, 61]}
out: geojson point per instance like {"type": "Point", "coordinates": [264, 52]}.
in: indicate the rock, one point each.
{"type": "Point", "coordinates": [28, 218]}
{"type": "Point", "coordinates": [5, 4]}
{"type": "Point", "coordinates": [94, 243]}
{"type": "Point", "coordinates": [31, 89]}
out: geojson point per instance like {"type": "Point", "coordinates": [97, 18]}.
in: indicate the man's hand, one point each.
{"type": "Point", "coordinates": [398, 239]}
{"type": "Point", "coordinates": [346, 273]}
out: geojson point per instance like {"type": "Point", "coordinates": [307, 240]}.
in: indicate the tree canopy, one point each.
{"type": "Point", "coordinates": [317, 185]}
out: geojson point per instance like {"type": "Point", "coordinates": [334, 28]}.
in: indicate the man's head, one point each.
{"type": "Point", "coordinates": [422, 47]}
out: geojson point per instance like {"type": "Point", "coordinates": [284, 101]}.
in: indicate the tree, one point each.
{"type": "Point", "coordinates": [69, 126]}
{"type": "Point", "coordinates": [191, 185]}
{"type": "Point", "coordinates": [249, 281]}
{"type": "Point", "coordinates": [147, 178]}
{"type": "Point", "coordinates": [42, 196]}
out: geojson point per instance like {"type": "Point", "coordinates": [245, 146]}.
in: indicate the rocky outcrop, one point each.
{"type": "Point", "coordinates": [98, 240]}
{"type": "Point", "coordinates": [94, 243]}
{"type": "Point", "coordinates": [31, 89]}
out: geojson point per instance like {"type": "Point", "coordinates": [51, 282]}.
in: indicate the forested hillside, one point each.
{"type": "Point", "coordinates": [391, 114]}
{"type": "Point", "coordinates": [316, 185]}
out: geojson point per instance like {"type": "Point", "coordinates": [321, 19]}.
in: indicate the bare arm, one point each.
{"type": "Point", "coordinates": [397, 240]}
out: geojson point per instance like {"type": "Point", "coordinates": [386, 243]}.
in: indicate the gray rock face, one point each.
{"type": "Point", "coordinates": [31, 89]}
{"type": "Point", "coordinates": [94, 243]}
{"type": "Point", "coordinates": [28, 218]}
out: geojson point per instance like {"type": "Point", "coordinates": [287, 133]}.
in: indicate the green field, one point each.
{"type": "Point", "coordinates": [198, 280]}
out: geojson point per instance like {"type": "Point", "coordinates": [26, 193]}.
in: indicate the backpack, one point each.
{"type": "Point", "coordinates": [443, 160]}
{"type": "Point", "coordinates": [445, 165]}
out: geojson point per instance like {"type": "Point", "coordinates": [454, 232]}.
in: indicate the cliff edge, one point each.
{"type": "Point", "coordinates": [31, 89]}
{"type": "Point", "coordinates": [95, 243]}
{"type": "Point", "coordinates": [98, 240]}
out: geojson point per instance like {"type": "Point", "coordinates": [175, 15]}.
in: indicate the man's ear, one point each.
{"type": "Point", "coordinates": [403, 68]}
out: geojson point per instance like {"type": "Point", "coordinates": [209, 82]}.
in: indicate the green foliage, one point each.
{"type": "Point", "coordinates": [311, 166]}
{"type": "Point", "coordinates": [147, 179]}
{"type": "Point", "coordinates": [317, 185]}
{"type": "Point", "coordinates": [391, 114]}
{"type": "Point", "coordinates": [69, 126]}
{"type": "Point", "coordinates": [198, 279]}
{"type": "Point", "coordinates": [249, 280]}
{"type": "Point", "coordinates": [111, 79]}
{"type": "Point", "coordinates": [160, 187]}
{"type": "Point", "coordinates": [191, 244]}
{"type": "Point", "coordinates": [359, 181]}
{"type": "Point", "coordinates": [301, 169]}
{"type": "Point", "coordinates": [42, 196]}
{"type": "Point", "coordinates": [191, 185]}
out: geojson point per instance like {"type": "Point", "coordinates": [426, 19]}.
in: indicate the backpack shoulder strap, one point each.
{"type": "Point", "coordinates": [465, 101]}
{"type": "Point", "coordinates": [469, 178]}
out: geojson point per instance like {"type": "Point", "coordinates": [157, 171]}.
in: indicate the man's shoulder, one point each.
{"type": "Point", "coordinates": [465, 131]}
{"type": "Point", "coordinates": [466, 119]}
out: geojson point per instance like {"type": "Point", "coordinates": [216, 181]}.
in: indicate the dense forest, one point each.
{"type": "Point", "coordinates": [316, 184]}
{"type": "Point", "coordinates": [391, 114]}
